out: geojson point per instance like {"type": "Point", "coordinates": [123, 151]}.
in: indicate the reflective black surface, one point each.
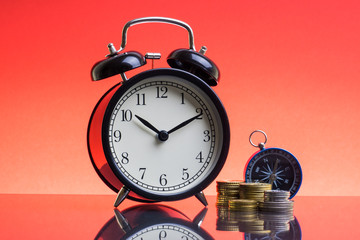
{"type": "Point", "coordinates": [153, 221]}
{"type": "Point", "coordinates": [93, 217]}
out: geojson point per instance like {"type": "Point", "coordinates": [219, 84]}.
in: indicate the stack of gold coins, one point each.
{"type": "Point", "coordinates": [276, 201]}
{"type": "Point", "coordinates": [253, 191]}
{"type": "Point", "coordinates": [223, 222]}
{"type": "Point", "coordinates": [243, 216]}
{"type": "Point", "coordinates": [254, 227]}
{"type": "Point", "coordinates": [243, 205]}
{"type": "Point", "coordinates": [227, 190]}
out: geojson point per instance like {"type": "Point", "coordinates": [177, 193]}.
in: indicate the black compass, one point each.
{"type": "Point", "coordinates": [274, 165]}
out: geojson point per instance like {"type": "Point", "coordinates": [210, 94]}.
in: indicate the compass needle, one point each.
{"type": "Point", "coordinates": [265, 178]}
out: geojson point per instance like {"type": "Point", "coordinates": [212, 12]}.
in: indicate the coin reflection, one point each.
{"type": "Point", "coordinates": [259, 225]}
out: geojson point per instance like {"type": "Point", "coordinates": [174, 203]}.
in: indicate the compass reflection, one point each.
{"type": "Point", "coordinates": [259, 226]}
{"type": "Point", "coordinates": [153, 221]}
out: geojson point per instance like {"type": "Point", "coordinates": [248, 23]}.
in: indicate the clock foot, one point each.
{"type": "Point", "coordinates": [121, 220]}
{"type": "Point", "coordinates": [199, 218]}
{"type": "Point", "coordinates": [201, 197]}
{"type": "Point", "coordinates": [121, 196]}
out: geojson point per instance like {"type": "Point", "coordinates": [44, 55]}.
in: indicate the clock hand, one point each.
{"type": "Point", "coordinates": [147, 124]}
{"type": "Point", "coordinates": [184, 123]}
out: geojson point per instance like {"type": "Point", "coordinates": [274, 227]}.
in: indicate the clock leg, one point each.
{"type": "Point", "coordinates": [201, 197]}
{"type": "Point", "coordinates": [199, 218]}
{"type": "Point", "coordinates": [121, 196]}
{"type": "Point", "coordinates": [121, 220]}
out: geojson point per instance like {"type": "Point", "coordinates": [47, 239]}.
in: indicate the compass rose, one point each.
{"type": "Point", "coordinates": [273, 175]}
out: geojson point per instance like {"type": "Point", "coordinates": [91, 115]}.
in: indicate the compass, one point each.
{"type": "Point", "coordinates": [274, 165]}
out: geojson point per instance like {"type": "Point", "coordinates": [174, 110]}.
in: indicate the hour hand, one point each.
{"type": "Point", "coordinates": [147, 124]}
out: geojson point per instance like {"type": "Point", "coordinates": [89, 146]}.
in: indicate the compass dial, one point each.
{"type": "Point", "coordinates": [276, 166]}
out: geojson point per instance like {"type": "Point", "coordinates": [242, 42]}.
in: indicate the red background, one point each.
{"type": "Point", "coordinates": [290, 68]}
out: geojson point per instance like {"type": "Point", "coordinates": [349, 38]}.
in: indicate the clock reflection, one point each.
{"type": "Point", "coordinates": [153, 221]}
{"type": "Point", "coordinates": [258, 225]}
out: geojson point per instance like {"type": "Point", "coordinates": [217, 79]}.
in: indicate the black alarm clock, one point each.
{"type": "Point", "coordinates": [163, 134]}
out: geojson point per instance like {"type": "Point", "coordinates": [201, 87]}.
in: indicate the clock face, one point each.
{"type": "Point", "coordinates": [277, 166]}
{"type": "Point", "coordinates": [165, 134]}
{"type": "Point", "coordinates": [166, 231]}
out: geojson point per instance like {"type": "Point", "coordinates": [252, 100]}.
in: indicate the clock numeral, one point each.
{"type": "Point", "coordinates": [199, 110]}
{"type": "Point", "coordinates": [200, 157]}
{"type": "Point", "coordinates": [185, 174]}
{"type": "Point", "coordinates": [161, 92]}
{"type": "Point", "coordinates": [207, 136]}
{"type": "Point", "coordinates": [163, 180]}
{"type": "Point", "coordinates": [126, 115]}
{"type": "Point", "coordinates": [182, 98]}
{"type": "Point", "coordinates": [162, 234]}
{"type": "Point", "coordinates": [185, 237]}
{"type": "Point", "coordinates": [117, 135]}
{"type": "Point", "coordinates": [125, 158]}
{"type": "Point", "coordinates": [143, 172]}
{"type": "Point", "coordinates": [140, 99]}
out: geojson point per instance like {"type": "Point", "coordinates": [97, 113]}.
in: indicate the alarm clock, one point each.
{"type": "Point", "coordinates": [276, 166]}
{"type": "Point", "coordinates": [163, 134]}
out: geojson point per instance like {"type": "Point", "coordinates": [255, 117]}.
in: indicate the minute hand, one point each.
{"type": "Point", "coordinates": [184, 123]}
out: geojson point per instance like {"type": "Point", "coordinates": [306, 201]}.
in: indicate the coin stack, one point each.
{"type": "Point", "coordinates": [242, 205]}
{"type": "Point", "coordinates": [276, 221]}
{"type": "Point", "coordinates": [276, 195]}
{"type": "Point", "coordinates": [227, 190]}
{"type": "Point", "coordinates": [223, 222]}
{"type": "Point", "coordinates": [276, 201]}
{"type": "Point", "coordinates": [253, 227]}
{"type": "Point", "coordinates": [253, 191]}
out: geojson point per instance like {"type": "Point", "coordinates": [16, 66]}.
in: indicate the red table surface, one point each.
{"type": "Point", "coordinates": [86, 216]}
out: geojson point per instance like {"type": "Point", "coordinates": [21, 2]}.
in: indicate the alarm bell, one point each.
{"type": "Point", "coordinates": [116, 64]}
{"type": "Point", "coordinates": [185, 59]}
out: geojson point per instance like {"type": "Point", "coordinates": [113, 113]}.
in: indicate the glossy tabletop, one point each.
{"type": "Point", "coordinates": [93, 217]}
